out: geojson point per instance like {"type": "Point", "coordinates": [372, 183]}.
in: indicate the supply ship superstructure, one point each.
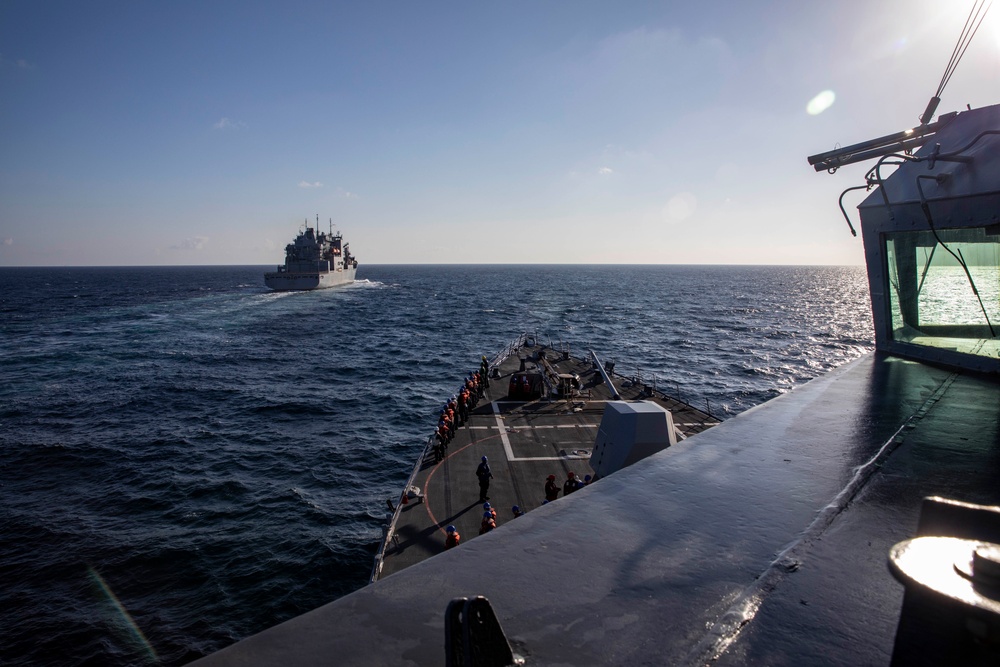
{"type": "Point", "coordinates": [314, 260]}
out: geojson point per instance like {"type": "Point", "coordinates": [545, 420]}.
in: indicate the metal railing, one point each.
{"type": "Point", "coordinates": [638, 378]}
{"type": "Point", "coordinates": [511, 349]}
{"type": "Point", "coordinates": [391, 528]}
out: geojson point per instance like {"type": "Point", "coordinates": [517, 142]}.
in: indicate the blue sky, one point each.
{"type": "Point", "coordinates": [136, 133]}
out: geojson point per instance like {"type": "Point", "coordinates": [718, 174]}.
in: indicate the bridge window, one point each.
{"type": "Point", "coordinates": [944, 288]}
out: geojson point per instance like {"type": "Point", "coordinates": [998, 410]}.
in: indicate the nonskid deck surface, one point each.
{"type": "Point", "coordinates": [525, 442]}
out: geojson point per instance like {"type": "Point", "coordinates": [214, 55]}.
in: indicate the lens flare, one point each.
{"type": "Point", "coordinates": [680, 207]}
{"type": "Point", "coordinates": [820, 103]}
{"type": "Point", "coordinates": [130, 623]}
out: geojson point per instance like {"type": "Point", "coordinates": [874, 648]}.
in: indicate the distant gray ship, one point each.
{"type": "Point", "coordinates": [315, 260]}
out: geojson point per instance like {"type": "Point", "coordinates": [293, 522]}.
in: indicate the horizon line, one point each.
{"type": "Point", "coordinates": [568, 264]}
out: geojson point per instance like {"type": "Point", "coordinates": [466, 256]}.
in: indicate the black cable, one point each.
{"type": "Point", "coordinates": [877, 170]}
{"type": "Point", "coordinates": [844, 211]}
{"type": "Point", "coordinates": [959, 151]}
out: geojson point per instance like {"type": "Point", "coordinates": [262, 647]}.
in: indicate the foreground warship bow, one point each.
{"type": "Point", "coordinates": [543, 414]}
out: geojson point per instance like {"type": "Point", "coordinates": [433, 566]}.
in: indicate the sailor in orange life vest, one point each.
{"type": "Point", "coordinates": [453, 537]}
{"type": "Point", "coordinates": [489, 523]}
{"type": "Point", "coordinates": [489, 508]}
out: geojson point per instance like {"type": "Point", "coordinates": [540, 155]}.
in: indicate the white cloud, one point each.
{"type": "Point", "coordinates": [19, 63]}
{"type": "Point", "coordinates": [605, 170]}
{"type": "Point", "coordinates": [191, 243]}
{"type": "Point", "coordinates": [229, 124]}
{"type": "Point", "coordinates": [307, 184]}
{"type": "Point", "coordinates": [344, 194]}
{"type": "Point", "coordinates": [7, 241]}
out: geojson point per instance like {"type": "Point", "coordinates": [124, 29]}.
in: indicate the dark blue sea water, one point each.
{"type": "Point", "coordinates": [187, 458]}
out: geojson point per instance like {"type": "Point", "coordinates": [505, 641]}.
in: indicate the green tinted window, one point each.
{"type": "Point", "coordinates": [944, 288]}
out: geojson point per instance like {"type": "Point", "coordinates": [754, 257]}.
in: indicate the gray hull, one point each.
{"type": "Point", "coordinates": [286, 281]}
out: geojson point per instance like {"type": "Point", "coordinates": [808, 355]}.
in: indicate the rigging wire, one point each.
{"type": "Point", "coordinates": [972, 23]}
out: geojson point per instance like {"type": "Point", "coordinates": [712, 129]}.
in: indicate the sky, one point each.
{"type": "Point", "coordinates": [577, 132]}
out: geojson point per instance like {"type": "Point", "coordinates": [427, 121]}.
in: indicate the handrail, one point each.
{"type": "Point", "coordinates": [510, 350]}
{"type": "Point", "coordinates": [380, 555]}
{"type": "Point", "coordinates": [638, 379]}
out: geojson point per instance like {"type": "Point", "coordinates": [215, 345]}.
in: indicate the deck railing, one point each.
{"type": "Point", "coordinates": [390, 529]}
{"type": "Point", "coordinates": [511, 349]}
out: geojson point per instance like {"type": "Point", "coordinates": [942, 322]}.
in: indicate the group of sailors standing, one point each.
{"type": "Point", "coordinates": [572, 483]}
{"type": "Point", "coordinates": [456, 411]}
{"type": "Point", "coordinates": [489, 522]}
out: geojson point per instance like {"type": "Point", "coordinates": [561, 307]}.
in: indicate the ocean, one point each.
{"type": "Point", "coordinates": [187, 458]}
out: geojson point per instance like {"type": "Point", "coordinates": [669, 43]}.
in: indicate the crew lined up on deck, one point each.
{"type": "Point", "coordinates": [458, 408]}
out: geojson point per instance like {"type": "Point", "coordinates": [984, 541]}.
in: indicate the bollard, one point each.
{"type": "Point", "coordinates": [473, 636]}
{"type": "Point", "coordinates": [951, 572]}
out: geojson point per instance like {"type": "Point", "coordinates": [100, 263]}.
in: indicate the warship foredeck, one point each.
{"type": "Point", "coordinates": [525, 442]}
